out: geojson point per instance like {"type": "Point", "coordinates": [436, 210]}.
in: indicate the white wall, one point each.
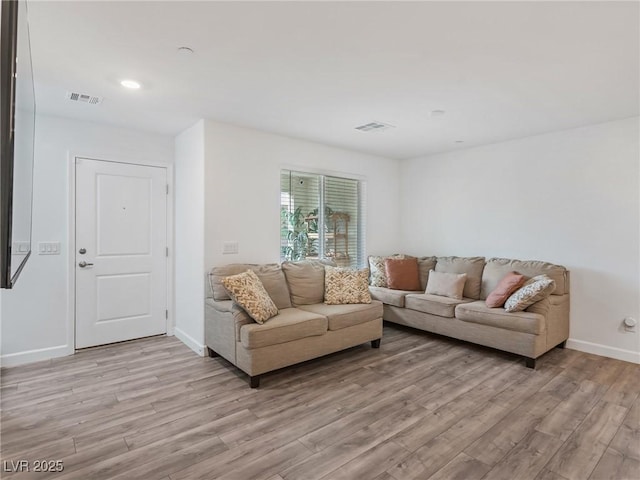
{"type": "Point", "coordinates": [36, 320]}
{"type": "Point", "coordinates": [189, 236]}
{"type": "Point", "coordinates": [242, 201]}
{"type": "Point", "coordinates": [568, 197]}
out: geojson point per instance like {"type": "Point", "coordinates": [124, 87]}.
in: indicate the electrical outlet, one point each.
{"type": "Point", "coordinates": [629, 324]}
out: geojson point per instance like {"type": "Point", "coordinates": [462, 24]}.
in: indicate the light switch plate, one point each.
{"type": "Point", "coordinates": [49, 248]}
{"type": "Point", "coordinates": [20, 248]}
{"type": "Point", "coordinates": [229, 248]}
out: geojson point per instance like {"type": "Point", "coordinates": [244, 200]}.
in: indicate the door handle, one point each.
{"type": "Point", "coordinates": [84, 264]}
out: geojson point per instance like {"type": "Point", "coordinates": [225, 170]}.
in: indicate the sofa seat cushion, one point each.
{"type": "Point", "coordinates": [478, 312]}
{"type": "Point", "coordinates": [290, 324]}
{"type": "Point", "coordinates": [343, 316]}
{"type": "Point", "coordinates": [389, 296]}
{"type": "Point", "coordinates": [433, 304]}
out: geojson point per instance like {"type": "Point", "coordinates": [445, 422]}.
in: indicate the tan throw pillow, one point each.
{"type": "Point", "coordinates": [402, 273]}
{"type": "Point", "coordinates": [344, 285]}
{"type": "Point", "coordinates": [247, 290]}
{"type": "Point", "coordinates": [534, 290]}
{"type": "Point", "coordinates": [511, 282]}
{"type": "Point", "coordinates": [446, 284]}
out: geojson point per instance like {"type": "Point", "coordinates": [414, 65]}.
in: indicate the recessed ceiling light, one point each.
{"type": "Point", "coordinates": [130, 84]}
{"type": "Point", "coordinates": [437, 113]}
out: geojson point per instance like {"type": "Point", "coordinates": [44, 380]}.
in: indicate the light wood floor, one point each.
{"type": "Point", "coordinates": [420, 407]}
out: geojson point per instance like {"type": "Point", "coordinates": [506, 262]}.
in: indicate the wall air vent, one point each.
{"type": "Point", "coordinates": [83, 98]}
{"type": "Point", "coordinates": [374, 127]}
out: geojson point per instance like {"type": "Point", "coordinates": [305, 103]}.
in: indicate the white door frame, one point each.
{"type": "Point", "coordinates": [71, 266]}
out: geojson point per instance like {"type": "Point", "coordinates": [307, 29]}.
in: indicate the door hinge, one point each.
{"type": "Point", "coordinates": [166, 251]}
{"type": "Point", "coordinates": [167, 189]}
{"type": "Point", "coordinates": [166, 314]}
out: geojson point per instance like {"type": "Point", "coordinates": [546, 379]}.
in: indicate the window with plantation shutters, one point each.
{"type": "Point", "coordinates": [320, 217]}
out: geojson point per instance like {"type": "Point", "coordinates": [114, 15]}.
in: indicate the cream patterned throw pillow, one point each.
{"type": "Point", "coordinates": [344, 285]}
{"type": "Point", "coordinates": [378, 272]}
{"type": "Point", "coordinates": [247, 290]}
{"type": "Point", "coordinates": [534, 290]}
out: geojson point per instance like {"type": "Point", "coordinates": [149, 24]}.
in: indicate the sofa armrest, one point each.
{"type": "Point", "coordinates": [542, 307]}
{"type": "Point", "coordinates": [222, 324]}
{"type": "Point", "coordinates": [555, 309]}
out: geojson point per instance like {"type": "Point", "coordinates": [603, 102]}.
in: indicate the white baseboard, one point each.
{"type": "Point", "coordinates": [604, 350]}
{"type": "Point", "coordinates": [189, 341]}
{"type": "Point", "coordinates": [30, 356]}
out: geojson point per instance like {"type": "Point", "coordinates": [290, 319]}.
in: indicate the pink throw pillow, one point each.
{"type": "Point", "coordinates": [511, 282]}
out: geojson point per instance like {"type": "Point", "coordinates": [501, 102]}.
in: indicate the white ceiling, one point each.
{"type": "Point", "coordinates": [500, 70]}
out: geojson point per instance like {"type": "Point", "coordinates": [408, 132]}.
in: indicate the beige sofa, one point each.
{"type": "Point", "coordinates": [304, 328]}
{"type": "Point", "coordinates": [530, 333]}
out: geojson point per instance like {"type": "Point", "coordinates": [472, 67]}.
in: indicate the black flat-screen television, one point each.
{"type": "Point", "coordinates": [17, 133]}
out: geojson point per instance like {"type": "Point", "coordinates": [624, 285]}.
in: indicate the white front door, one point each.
{"type": "Point", "coordinates": [120, 259]}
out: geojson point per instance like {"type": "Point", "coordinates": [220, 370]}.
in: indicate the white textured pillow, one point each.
{"type": "Point", "coordinates": [446, 284]}
{"type": "Point", "coordinates": [534, 290]}
{"type": "Point", "coordinates": [247, 290]}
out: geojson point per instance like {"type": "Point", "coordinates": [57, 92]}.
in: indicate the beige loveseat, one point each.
{"type": "Point", "coordinates": [530, 333]}
{"type": "Point", "coordinates": [304, 328]}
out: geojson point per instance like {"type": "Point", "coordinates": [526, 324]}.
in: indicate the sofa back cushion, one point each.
{"type": "Point", "coordinates": [306, 281]}
{"type": "Point", "coordinates": [425, 265]}
{"type": "Point", "coordinates": [270, 274]}
{"type": "Point", "coordinates": [472, 266]}
{"type": "Point", "coordinates": [497, 268]}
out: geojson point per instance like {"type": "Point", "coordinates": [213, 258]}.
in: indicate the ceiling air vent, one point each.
{"type": "Point", "coordinates": [83, 98]}
{"type": "Point", "coordinates": [374, 127]}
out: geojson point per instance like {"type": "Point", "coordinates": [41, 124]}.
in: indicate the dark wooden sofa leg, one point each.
{"type": "Point", "coordinates": [211, 353]}
{"type": "Point", "coordinates": [530, 362]}
{"type": "Point", "coordinates": [254, 382]}
{"type": "Point", "coordinates": [375, 343]}
{"type": "Point", "coordinates": [562, 345]}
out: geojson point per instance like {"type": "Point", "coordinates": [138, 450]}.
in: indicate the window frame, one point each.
{"type": "Point", "coordinates": [360, 246]}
